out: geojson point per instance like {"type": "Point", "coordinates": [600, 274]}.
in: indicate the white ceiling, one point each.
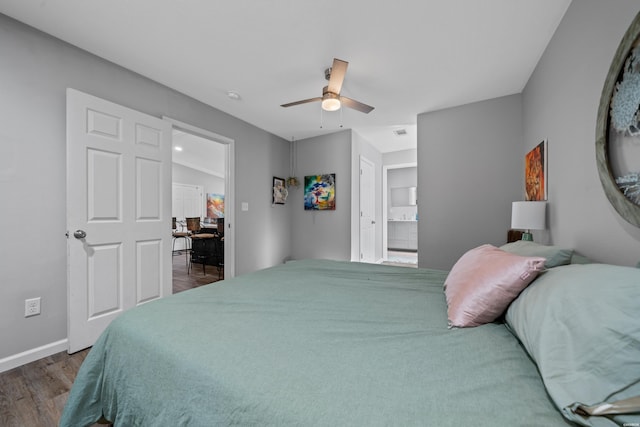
{"type": "Point", "coordinates": [198, 153]}
{"type": "Point", "coordinates": [405, 57]}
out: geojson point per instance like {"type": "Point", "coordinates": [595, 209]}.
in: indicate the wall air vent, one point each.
{"type": "Point", "coordinates": [400, 132]}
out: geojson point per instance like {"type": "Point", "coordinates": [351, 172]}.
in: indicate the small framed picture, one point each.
{"type": "Point", "coordinates": [535, 173]}
{"type": "Point", "coordinates": [279, 191]}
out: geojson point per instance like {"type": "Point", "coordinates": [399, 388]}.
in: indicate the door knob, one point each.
{"type": "Point", "coordinates": [79, 234]}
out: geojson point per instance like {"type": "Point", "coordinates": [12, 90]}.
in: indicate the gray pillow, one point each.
{"type": "Point", "coordinates": [554, 255]}
{"type": "Point", "coordinates": [576, 258]}
{"type": "Point", "coordinates": [580, 323]}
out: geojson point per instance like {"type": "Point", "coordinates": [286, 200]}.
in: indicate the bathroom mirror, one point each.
{"type": "Point", "coordinates": [618, 128]}
{"type": "Point", "coordinates": [403, 196]}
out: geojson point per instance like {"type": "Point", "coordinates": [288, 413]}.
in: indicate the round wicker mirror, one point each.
{"type": "Point", "coordinates": [618, 128]}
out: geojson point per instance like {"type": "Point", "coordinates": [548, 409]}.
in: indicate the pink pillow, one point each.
{"type": "Point", "coordinates": [484, 281]}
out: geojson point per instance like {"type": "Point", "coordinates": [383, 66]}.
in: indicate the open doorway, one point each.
{"type": "Point", "coordinates": [202, 207]}
{"type": "Point", "coordinates": [400, 213]}
{"type": "Point", "coordinates": [397, 145]}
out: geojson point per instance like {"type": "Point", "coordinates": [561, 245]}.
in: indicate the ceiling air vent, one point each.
{"type": "Point", "coordinates": [400, 132]}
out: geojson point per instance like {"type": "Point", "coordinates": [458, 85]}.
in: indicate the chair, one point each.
{"type": "Point", "coordinates": [220, 226]}
{"type": "Point", "coordinates": [179, 235]}
{"type": "Point", "coordinates": [193, 225]}
{"type": "Point", "coordinates": [202, 251]}
{"type": "Point", "coordinates": [218, 255]}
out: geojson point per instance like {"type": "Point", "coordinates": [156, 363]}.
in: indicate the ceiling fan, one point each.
{"type": "Point", "coordinates": [331, 98]}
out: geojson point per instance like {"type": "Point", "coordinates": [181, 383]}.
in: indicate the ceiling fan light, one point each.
{"type": "Point", "coordinates": [330, 102]}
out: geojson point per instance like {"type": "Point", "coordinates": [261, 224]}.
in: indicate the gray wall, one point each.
{"type": "Point", "coordinates": [323, 234]}
{"type": "Point", "coordinates": [35, 71]}
{"type": "Point", "coordinates": [469, 172]}
{"type": "Point", "coordinates": [560, 102]}
{"type": "Point", "coordinates": [469, 151]}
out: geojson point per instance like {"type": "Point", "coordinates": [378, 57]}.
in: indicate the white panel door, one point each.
{"type": "Point", "coordinates": [118, 213]}
{"type": "Point", "coordinates": [187, 201]}
{"type": "Point", "coordinates": [367, 211]}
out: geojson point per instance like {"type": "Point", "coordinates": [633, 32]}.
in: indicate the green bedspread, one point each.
{"type": "Point", "coordinates": [308, 343]}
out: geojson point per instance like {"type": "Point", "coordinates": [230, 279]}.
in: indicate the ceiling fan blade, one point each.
{"type": "Point", "coordinates": [356, 105]}
{"type": "Point", "coordinates": [304, 101]}
{"type": "Point", "coordinates": [338, 71]}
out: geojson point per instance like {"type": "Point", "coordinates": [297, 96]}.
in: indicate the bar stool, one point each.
{"type": "Point", "coordinates": [193, 225]}
{"type": "Point", "coordinates": [202, 250]}
{"type": "Point", "coordinates": [180, 235]}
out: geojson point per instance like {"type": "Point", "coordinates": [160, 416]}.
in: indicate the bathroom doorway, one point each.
{"type": "Point", "coordinates": [400, 211]}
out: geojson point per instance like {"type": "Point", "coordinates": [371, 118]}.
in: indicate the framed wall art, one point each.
{"type": "Point", "coordinates": [535, 173]}
{"type": "Point", "coordinates": [215, 205]}
{"type": "Point", "coordinates": [618, 128]}
{"type": "Point", "coordinates": [320, 192]}
{"type": "Point", "coordinates": [280, 192]}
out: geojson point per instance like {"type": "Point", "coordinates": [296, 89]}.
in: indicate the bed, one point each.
{"type": "Point", "coordinates": [316, 342]}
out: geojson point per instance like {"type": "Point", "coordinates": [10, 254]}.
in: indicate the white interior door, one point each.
{"type": "Point", "coordinates": [118, 213]}
{"type": "Point", "coordinates": [187, 201]}
{"type": "Point", "coordinates": [367, 211]}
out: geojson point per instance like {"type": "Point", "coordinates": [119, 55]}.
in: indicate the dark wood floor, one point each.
{"type": "Point", "coordinates": [195, 277]}
{"type": "Point", "coordinates": [33, 395]}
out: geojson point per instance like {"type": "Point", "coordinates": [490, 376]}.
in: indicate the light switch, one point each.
{"type": "Point", "coordinates": [245, 206]}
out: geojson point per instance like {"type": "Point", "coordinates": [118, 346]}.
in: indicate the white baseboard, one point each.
{"type": "Point", "coordinates": [32, 355]}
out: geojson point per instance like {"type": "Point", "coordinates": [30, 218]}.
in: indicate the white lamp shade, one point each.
{"type": "Point", "coordinates": [528, 215]}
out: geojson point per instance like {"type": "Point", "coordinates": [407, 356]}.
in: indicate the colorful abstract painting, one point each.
{"type": "Point", "coordinates": [535, 173]}
{"type": "Point", "coordinates": [320, 192]}
{"type": "Point", "coordinates": [215, 205]}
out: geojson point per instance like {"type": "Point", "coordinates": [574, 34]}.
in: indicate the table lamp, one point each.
{"type": "Point", "coordinates": [528, 216]}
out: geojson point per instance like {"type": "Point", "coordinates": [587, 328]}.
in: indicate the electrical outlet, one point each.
{"type": "Point", "coordinates": [31, 307]}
